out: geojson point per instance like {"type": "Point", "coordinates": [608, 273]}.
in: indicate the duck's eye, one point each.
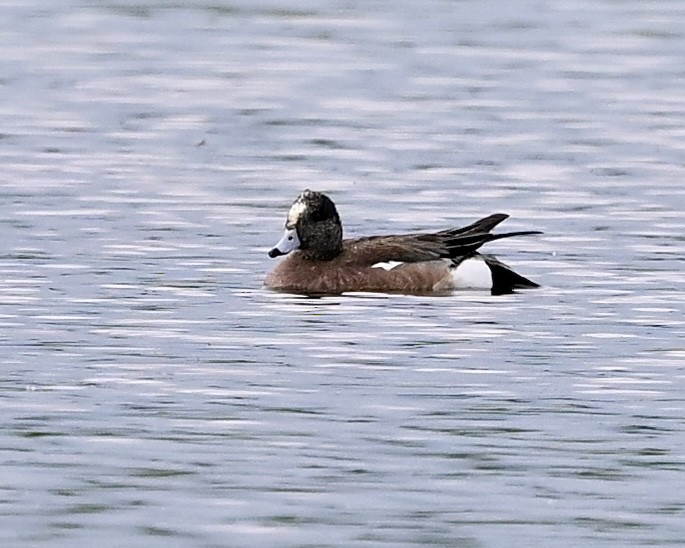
{"type": "Point", "coordinates": [290, 238]}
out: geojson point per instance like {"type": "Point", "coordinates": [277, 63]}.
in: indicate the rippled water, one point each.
{"type": "Point", "coordinates": [154, 394]}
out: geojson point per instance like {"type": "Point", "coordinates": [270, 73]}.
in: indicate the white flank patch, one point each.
{"type": "Point", "coordinates": [387, 266]}
{"type": "Point", "coordinates": [472, 274]}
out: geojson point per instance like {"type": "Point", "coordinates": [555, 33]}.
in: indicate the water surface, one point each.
{"type": "Point", "coordinates": [154, 394]}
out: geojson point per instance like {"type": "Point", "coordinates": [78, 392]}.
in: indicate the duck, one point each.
{"type": "Point", "coordinates": [319, 261]}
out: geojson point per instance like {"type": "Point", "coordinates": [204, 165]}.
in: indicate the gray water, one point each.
{"type": "Point", "coordinates": [154, 394]}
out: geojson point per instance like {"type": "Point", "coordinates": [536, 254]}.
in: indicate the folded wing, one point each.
{"type": "Point", "coordinates": [453, 243]}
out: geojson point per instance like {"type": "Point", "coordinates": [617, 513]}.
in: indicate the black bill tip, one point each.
{"type": "Point", "coordinates": [275, 252]}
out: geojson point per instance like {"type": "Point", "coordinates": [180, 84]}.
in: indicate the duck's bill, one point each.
{"type": "Point", "coordinates": [289, 242]}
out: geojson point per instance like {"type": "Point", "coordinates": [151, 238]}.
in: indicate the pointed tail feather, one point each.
{"type": "Point", "coordinates": [481, 226]}
{"type": "Point", "coordinates": [511, 234]}
{"type": "Point", "coordinates": [466, 244]}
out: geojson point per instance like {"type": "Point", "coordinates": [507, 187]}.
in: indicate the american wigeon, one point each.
{"type": "Point", "coordinates": [321, 262]}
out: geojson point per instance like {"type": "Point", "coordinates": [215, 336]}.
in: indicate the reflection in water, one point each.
{"type": "Point", "coordinates": [154, 390]}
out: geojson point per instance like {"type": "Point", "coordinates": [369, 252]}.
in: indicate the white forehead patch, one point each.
{"type": "Point", "coordinates": [296, 211]}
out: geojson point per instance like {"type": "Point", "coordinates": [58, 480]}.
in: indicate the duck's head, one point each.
{"type": "Point", "coordinates": [313, 226]}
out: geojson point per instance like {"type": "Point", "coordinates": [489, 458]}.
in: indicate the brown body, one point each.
{"type": "Point", "coordinates": [353, 270]}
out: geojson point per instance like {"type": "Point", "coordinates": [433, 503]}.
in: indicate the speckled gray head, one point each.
{"type": "Point", "coordinates": [313, 225]}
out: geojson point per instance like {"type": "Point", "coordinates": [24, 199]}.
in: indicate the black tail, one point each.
{"type": "Point", "coordinates": [504, 279]}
